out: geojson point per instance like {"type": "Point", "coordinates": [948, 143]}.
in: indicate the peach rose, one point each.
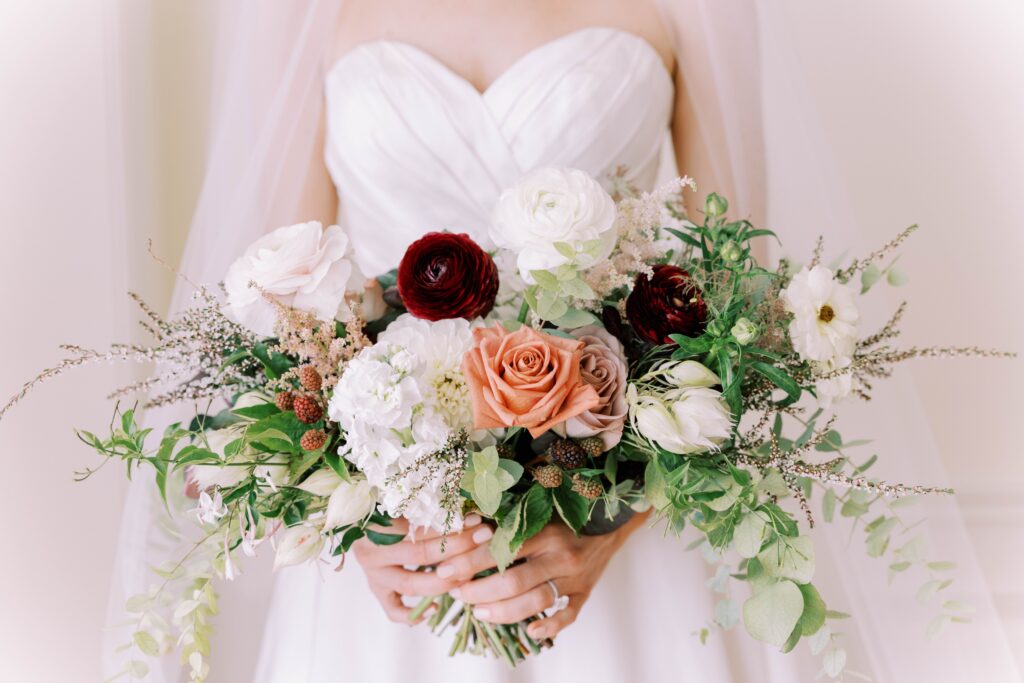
{"type": "Point", "coordinates": [525, 379]}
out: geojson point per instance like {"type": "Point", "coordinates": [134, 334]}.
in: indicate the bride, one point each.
{"type": "Point", "coordinates": [394, 119]}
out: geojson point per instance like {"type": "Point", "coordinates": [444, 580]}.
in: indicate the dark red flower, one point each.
{"type": "Point", "coordinates": [443, 275]}
{"type": "Point", "coordinates": [667, 303]}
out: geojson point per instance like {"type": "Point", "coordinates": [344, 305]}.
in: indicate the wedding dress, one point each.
{"type": "Point", "coordinates": [413, 147]}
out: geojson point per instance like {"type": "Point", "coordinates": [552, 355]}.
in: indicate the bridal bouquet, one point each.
{"type": "Point", "coordinates": [602, 356]}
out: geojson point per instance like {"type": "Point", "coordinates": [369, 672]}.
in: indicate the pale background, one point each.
{"type": "Point", "coordinates": [923, 105]}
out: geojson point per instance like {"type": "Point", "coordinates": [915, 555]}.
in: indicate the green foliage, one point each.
{"type": "Point", "coordinates": [487, 475]}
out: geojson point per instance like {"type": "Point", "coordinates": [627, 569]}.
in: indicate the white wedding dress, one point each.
{"type": "Point", "coordinates": [413, 147]}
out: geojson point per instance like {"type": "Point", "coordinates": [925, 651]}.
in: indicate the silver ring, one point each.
{"type": "Point", "coordinates": [560, 601]}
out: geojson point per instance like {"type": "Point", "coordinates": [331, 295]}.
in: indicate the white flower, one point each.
{"type": "Point", "coordinates": [297, 544]}
{"type": "Point", "coordinates": [687, 416]}
{"type": "Point", "coordinates": [349, 503]}
{"type": "Point", "coordinates": [211, 508]}
{"type": "Point", "coordinates": [834, 389]}
{"type": "Point", "coordinates": [825, 316]}
{"type": "Point", "coordinates": [552, 206]}
{"type": "Point", "coordinates": [302, 266]}
{"type": "Point", "coordinates": [322, 483]}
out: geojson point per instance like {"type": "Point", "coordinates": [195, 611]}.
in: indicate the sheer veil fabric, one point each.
{"type": "Point", "coordinates": [748, 100]}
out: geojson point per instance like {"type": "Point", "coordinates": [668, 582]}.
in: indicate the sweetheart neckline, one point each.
{"type": "Point", "coordinates": [518, 63]}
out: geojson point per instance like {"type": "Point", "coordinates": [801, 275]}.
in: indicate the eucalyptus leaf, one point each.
{"type": "Point", "coordinates": [771, 614]}
{"type": "Point", "coordinates": [749, 535]}
{"type": "Point", "coordinates": [789, 558]}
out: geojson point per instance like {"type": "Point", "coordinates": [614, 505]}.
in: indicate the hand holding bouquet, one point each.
{"type": "Point", "coordinates": [591, 357]}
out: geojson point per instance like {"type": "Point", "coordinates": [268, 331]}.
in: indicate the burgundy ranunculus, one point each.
{"type": "Point", "coordinates": [443, 275]}
{"type": "Point", "coordinates": [667, 303]}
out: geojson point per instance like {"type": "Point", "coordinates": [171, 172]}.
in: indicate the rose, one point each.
{"type": "Point", "coordinates": [302, 266]}
{"type": "Point", "coordinates": [602, 366]}
{"type": "Point", "coordinates": [553, 217]}
{"type": "Point", "coordinates": [525, 379]}
{"type": "Point", "coordinates": [447, 276]}
{"type": "Point", "coordinates": [687, 415]}
{"type": "Point", "coordinates": [825, 316]}
{"type": "Point", "coordinates": [666, 303]}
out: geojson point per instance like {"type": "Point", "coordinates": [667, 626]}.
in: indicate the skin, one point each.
{"type": "Point", "coordinates": [480, 40]}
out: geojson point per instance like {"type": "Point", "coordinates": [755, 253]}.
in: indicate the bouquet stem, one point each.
{"type": "Point", "coordinates": [505, 641]}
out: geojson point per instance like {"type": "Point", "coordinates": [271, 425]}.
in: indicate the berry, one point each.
{"type": "Point", "coordinates": [568, 454]}
{"type": "Point", "coordinates": [284, 400]}
{"type": "Point", "coordinates": [506, 450]}
{"type": "Point", "coordinates": [593, 445]}
{"type": "Point", "coordinates": [309, 378]}
{"type": "Point", "coordinates": [588, 488]}
{"type": "Point", "coordinates": [307, 409]}
{"type": "Point", "coordinates": [313, 439]}
{"type": "Point", "coordinates": [548, 476]}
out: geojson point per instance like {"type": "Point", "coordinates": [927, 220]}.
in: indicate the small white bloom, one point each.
{"type": "Point", "coordinates": [296, 545]}
{"type": "Point", "coordinates": [744, 331]}
{"type": "Point", "coordinates": [555, 205]}
{"type": "Point", "coordinates": [689, 373]}
{"type": "Point", "coordinates": [322, 482]}
{"type": "Point", "coordinates": [211, 508]}
{"type": "Point", "coordinates": [825, 315]}
{"type": "Point", "coordinates": [834, 389]}
{"type": "Point", "coordinates": [349, 503]}
{"type": "Point", "coordinates": [302, 266]}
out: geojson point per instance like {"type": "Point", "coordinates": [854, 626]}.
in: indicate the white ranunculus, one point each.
{"type": "Point", "coordinates": [555, 205]}
{"type": "Point", "coordinates": [296, 545]}
{"type": "Point", "coordinates": [302, 266]}
{"type": "Point", "coordinates": [322, 482]}
{"type": "Point", "coordinates": [825, 315]}
{"type": "Point", "coordinates": [349, 503]}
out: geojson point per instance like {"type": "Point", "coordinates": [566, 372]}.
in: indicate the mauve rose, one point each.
{"type": "Point", "coordinates": [525, 379]}
{"type": "Point", "coordinates": [443, 276]}
{"type": "Point", "coordinates": [667, 303]}
{"type": "Point", "coordinates": [602, 366]}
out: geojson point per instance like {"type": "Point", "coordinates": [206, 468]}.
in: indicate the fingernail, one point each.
{"type": "Point", "coordinates": [445, 570]}
{"type": "Point", "coordinates": [472, 520]}
{"type": "Point", "coordinates": [481, 613]}
{"type": "Point", "coordinates": [536, 632]}
{"type": "Point", "coordinates": [455, 593]}
{"type": "Point", "coordinates": [481, 535]}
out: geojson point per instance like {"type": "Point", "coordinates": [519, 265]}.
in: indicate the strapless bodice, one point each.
{"type": "Point", "coordinates": [414, 147]}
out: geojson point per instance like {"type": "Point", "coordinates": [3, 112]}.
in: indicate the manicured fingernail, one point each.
{"type": "Point", "coordinates": [455, 593]}
{"type": "Point", "coordinates": [445, 570]}
{"type": "Point", "coordinates": [536, 632]}
{"type": "Point", "coordinates": [472, 520]}
{"type": "Point", "coordinates": [481, 535]}
{"type": "Point", "coordinates": [481, 613]}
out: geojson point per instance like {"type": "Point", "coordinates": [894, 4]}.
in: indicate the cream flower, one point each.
{"type": "Point", "coordinates": [552, 206]}
{"type": "Point", "coordinates": [825, 315]}
{"type": "Point", "coordinates": [302, 266]}
{"type": "Point", "coordinates": [349, 503]}
{"type": "Point", "coordinates": [296, 545]}
{"type": "Point", "coordinates": [833, 389]}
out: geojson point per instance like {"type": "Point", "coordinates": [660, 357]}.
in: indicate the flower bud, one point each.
{"type": "Point", "coordinates": [716, 328]}
{"type": "Point", "coordinates": [744, 331]}
{"type": "Point", "coordinates": [296, 545]}
{"type": "Point", "coordinates": [715, 205]}
{"type": "Point", "coordinates": [321, 483]}
{"type": "Point", "coordinates": [350, 502]}
{"type": "Point", "coordinates": [731, 251]}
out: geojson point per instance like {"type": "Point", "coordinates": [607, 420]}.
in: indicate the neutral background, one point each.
{"type": "Point", "coordinates": [923, 105]}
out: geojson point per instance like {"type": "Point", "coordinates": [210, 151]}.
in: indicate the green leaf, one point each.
{"type": "Point", "coordinates": [579, 289]}
{"type": "Point", "coordinates": [146, 643]}
{"type": "Point", "coordinates": [274, 439]}
{"type": "Point", "coordinates": [789, 558]}
{"type": "Point", "coordinates": [772, 613]}
{"type": "Point", "coordinates": [575, 318]}
{"type": "Point", "coordinates": [571, 506]}
{"type": "Point", "coordinates": [779, 378]}
{"type": "Point", "coordinates": [749, 535]}
{"type": "Point", "coordinates": [335, 462]}
{"type": "Point", "coordinates": [691, 346]}
{"type": "Point", "coordinates": [191, 454]}
{"type": "Point", "coordinates": [813, 616]}
{"type": "Point", "coordinates": [896, 277]}
{"type": "Point", "coordinates": [545, 279]}
{"type": "Point", "coordinates": [828, 505]}
{"type": "Point", "coordinates": [566, 250]}
{"type": "Point", "coordinates": [502, 545]}
{"type": "Point", "coordinates": [257, 412]}
{"type": "Point", "coordinates": [832, 442]}
{"type": "Point", "coordinates": [536, 513]}
{"type": "Point", "coordinates": [869, 277]}
{"type": "Point", "coordinates": [513, 468]}
{"type": "Point", "coordinates": [378, 538]}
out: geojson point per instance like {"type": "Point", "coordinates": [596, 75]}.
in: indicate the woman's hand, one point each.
{"type": "Point", "coordinates": [556, 554]}
{"type": "Point", "coordinates": [385, 565]}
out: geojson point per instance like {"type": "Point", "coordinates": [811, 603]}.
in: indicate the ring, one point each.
{"type": "Point", "coordinates": [560, 603]}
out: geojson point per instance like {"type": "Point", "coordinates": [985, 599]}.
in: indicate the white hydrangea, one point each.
{"type": "Point", "coordinates": [398, 401]}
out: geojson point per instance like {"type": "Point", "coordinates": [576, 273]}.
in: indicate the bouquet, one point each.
{"type": "Point", "coordinates": [603, 355]}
